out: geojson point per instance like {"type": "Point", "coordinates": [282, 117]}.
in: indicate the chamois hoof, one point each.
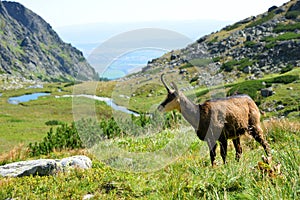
{"type": "Point", "coordinates": [271, 171]}
{"type": "Point", "coordinates": [267, 159]}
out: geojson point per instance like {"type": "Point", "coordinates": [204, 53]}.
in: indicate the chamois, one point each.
{"type": "Point", "coordinates": [218, 119]}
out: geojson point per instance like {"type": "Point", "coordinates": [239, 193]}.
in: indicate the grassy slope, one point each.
{"type": "Point", "coordinates": [189, 177]}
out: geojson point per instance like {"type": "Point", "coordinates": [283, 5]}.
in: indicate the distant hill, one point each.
{"type": "Point", "coordinates": [253, 47]}
{"type": "Point", "coordinates": [31, 49]}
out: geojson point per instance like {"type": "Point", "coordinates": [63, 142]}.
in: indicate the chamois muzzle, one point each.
{"type": "Point", "coordinates": [160, 108]}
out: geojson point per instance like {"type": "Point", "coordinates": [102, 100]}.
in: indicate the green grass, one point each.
{"type": "Point", "coordinates": [26, 122]}
{"type": "Point", "coordinates": [239, 64]}
{"type": "Point", "coordinates": [188, 177]}
{"type": "Point", "coordinates": [285, 36]}
{"type": "Point", "coordinates": [287, 27]}
{"type": "Point", "coordinates": [261, 20]}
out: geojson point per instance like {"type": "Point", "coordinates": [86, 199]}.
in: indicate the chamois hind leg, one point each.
{"type": "Point", "coordinates": [238, 148]}
{"type": "Point", "coordinates": [257, 132]}
{"type": "Point", "coordinates": [223, 147]}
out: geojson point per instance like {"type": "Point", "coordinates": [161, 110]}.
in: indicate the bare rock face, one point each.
{"type": "Point", "coordinates": [30, 48]}
{"type": "Point", "coordinates": [44, 167]}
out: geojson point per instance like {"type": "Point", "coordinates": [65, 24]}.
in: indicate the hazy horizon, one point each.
{"type": "Point", "coordinates": [86, 37]}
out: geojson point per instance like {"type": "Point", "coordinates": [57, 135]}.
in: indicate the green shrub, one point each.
{"type": "Point", "coordinates": [248, 87]}
{"type": "Point", "coordinates": [261, 20]}
{"type": "Point", "coordinates": [110, 128]}
{"type": "Point", "coordinates": [53, 122]}
{"type": "Point", "coordinates": [287, 27]}
{"type": "Point", "coordinates": [283, 37]}
{"type": "Point", "coordinates": [228, 66]}
{"type": "Point", "coordinates": [89, 131]}
{"type": "Point", "coordinates": [65, 137]}
{"type": "Point", "coordinates": [194, 79]}
{"type": "Point", "coordinates": [217, 59]}
{"type": "Point", "coordinates": [232, 27]}
{"type": "Point", "coordinates": [249, 44]}
{"type": "Point", "coordinates": [252, 87]}
{"type": "Point", "coordinates": [239, 64]}
{"type": "Point", "coordinates": [288, 68]}
{"type": "Point", "coordinates": [285, 79]}
{"type": "Point", "coordinates": [202, 92]}
{"type": "Point", "coordinates": [70, 84]}
{"type": "Point", "coordinates": [142, 120]}
{"type": "Point", "coordinates": [172, 119]}
{"type": "Point", "coordinates": [214, 40]}
{"type": "Point", "coordinates": [292, 14]}
{"type": "Point", "coordinates": [244, 63]}
{"type": "Point", "coordinates": [185, 66]}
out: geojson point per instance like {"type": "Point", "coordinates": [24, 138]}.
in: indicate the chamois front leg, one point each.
{"type": "Point", "coordinates": [212, 151]}
{"type": "Point", "coordinates": [257, 133]}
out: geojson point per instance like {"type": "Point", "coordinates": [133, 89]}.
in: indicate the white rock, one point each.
{"type": "Point", "coordinates": [26, 168]}
{"type": "Point", "coordinates": [43, 167]}
{"type": "Point", "coordinates": [82, 162]}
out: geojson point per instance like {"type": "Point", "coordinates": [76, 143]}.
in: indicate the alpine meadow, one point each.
{"type": "Point", "coordinates": [94, 138]}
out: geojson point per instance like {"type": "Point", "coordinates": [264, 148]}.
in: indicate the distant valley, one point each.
{"type": "Point", "coordinates": [89, 37]}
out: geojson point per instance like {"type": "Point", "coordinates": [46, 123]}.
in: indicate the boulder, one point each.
{"type": "Point", "coordinates": [266, 92]}
{"type": "Point", "coordinates": [82, 162]}
{"type": "Point", "coordinates": [44, 167]}
{"type": "Point", "coordinates": [280, 107]}
{"type": "Point", "coordinates": [26, 168]}
{"type": "Point", "coordinates": [272, 8]}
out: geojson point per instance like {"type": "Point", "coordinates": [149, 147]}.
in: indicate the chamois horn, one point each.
{"type": "Point", "coordinates": [163, 81]}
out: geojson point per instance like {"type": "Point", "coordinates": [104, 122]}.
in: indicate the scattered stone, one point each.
{"type": "Point", "coordinates": [44, 167]}
{"type": "Point", "coordinates": [280, 107]}
{"type": "Point", "coordinates": [266, 92]}
{"type": "Point", "coordinates": [272, 8]}
{"type": "Point", "coordinates": [247, 70]}
{"type": "Point", "coordinates": [88, 196]}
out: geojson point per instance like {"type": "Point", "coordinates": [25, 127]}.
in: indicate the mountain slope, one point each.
{"type": "Point", "coordinates": [253, 47]}
{"type": "Point", "coordinates": [30, 48]}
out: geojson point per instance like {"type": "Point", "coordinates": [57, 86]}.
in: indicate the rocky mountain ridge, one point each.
{"type": "Point", "coordinates": [259, 45]}
{"type": "Point", "coordinates": [31, 49]}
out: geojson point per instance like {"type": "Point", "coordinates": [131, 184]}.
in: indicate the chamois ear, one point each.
{"type": "Point", "coordinates": [175, 87]}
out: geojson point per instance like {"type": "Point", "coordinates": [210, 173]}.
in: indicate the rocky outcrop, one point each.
{"type": "Point", "coordinates": [43, 167]}
{"type": "Point", "coordinates": [30, 48]}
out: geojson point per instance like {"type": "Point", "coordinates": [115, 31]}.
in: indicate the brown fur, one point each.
{"type": "Point", "coordinates": [219, 120]}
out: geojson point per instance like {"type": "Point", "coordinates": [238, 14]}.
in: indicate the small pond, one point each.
{"type": "Point", "coordinates": [26, 97]}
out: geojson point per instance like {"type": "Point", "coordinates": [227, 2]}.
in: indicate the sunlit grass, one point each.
{"type": "Point", "coordinates": [188, 177]}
